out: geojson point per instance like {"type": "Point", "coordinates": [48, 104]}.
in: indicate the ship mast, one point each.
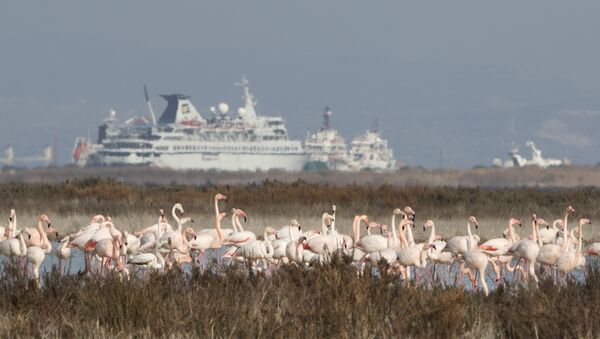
{"type": "Point", "coordinates": [248, 113]}
{"type": "Point", "coordinates": [326, 119]}
{"type": "Point", "coordinates": [150, 106]}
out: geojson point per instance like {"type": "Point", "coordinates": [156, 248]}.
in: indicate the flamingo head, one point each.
{"type": "Point", "coordinates": [190, 231]}
{"type": "Point", "coordinates": [474, 221]}
{"type": "Point", "coordinates": [429, 223]}
{"type": "Point", "coordinates": [221, 216]}
{"type": "Point", "coordinates": [179, 207]}
{"type": "Point", "coordinates": [406, 222]}
{"type": "Point", "coordinates": [515, 221]}
{"type": "Point", "coordinates": [97, 219]}
{"type": "Point", "coordinates": [333, 208]}
{"type": "Point", "coordinates": [410, 213]}
{"type": "Point", "coordinates": [186, 220]}
{"type": "Point", "coordinates": [295, 223]}
{"type": "Point", "coordinates": [12, 216]}
{"type": "Point", "coordinates": [241, 214]}
{"type": "Point", "coordinates": [541, 222]}
{"type": "Point", "coordinates": [428, 246]}
{"type": "Point", "coordinates": [570, 210]}
{"type": "Point", "coordinates": [585, 221]}
{"type": "Point", "coordinates": [220, 196]}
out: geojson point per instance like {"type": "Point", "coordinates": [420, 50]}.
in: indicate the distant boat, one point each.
{"type": "Point", "coordinates": [517, 160]}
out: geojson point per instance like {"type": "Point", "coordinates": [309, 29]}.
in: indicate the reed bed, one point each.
{"type": "Point", "coordinates": [108, 196]}
{"type": "Point", "coordinates": [323, 301]}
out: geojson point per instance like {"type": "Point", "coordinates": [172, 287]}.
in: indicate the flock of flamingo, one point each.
{"type": "Point", "coordinates": [549, 249]}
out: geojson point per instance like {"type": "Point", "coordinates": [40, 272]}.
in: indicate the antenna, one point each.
{"type": "Point", "coordinates": [326, 119]}
{"type": "Point", "coordinates": [375, 126]}
{"type": "Point", "coordinates": [149, 106]}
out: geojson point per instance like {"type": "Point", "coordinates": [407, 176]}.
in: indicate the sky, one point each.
{"type": "Point", "coordinates": [452, 83]}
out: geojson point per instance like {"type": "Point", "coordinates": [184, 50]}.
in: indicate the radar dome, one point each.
{"type": "Point", "coordinates": [241, 111]}
{"type": "Point", "coordinates": [223, 108]}
{"type": "Point", "coordinates": [212, 109]}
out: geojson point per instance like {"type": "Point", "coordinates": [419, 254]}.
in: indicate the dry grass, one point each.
{"type": "Point", "coordinates": [108, 196]}
{"type": "Point", "coordinates": [329, 301]}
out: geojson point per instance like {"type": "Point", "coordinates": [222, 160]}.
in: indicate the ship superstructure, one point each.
{"type": "Point", "coordinates": [183, 139]}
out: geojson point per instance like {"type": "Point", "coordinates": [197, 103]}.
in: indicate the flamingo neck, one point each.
{"type": "Point", "coordinates": [218, 227]}
{"type": "Point", "coordinates": [401, 233]}
{"type": "Point", "coordinates": [174, 214]}
{"type": "Point", "coordinates": [355, 230]}
{"type": "Point", "coordinates": [394, 233]}
{"type": "Point", "coordinates": [470, 239]}
{"type": "Point", "coordinates": [566, 239]}
{"type": "Point", "coordinates": [432, 235]}
{"type": "Point", "coordinates": [233, 223]}
{"type": "Point", "coordinates": [580, 238]}
{"type": "Point", "coordinates": [411, 239]}
{"type": "Point", "coordinates": [323, 226]}
{"type": "Point", "coordinates": [511, 233]}
{"type": "Point", "coordinates": [239, 223]}
{"type": "Point", "coordinates": [537, 235]}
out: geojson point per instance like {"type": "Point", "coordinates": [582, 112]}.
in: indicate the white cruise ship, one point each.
{"type": "Point", "coordinates": [183, 139]}
{"type": "Point", "coordinates": [369, 151]}
{"type": "Point", "coordinates": [327, 149]}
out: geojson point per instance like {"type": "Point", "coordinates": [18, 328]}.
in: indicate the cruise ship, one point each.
{"type": "Point", "coordinates": [327, 149]}
{"type": "Point", "coordinates": [182, 139]}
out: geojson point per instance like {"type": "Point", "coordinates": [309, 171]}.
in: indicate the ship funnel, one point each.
{"type": "Point", "coordinates": [180, 110]}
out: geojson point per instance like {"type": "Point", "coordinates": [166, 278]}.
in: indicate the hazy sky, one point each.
{"type": "Point", "coordinates": [470, 78]}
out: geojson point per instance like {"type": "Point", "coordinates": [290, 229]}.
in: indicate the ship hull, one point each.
{"type": "Point", "coordinates": [207, 161]}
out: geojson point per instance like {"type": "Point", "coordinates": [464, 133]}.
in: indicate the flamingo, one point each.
{"type": "Point", "coordinates": [326, 240]}
{"type": "Point", "coordinates": [239, 237]}
{"type": "Point", "coordinates": [36, 234]}
{"type": "Point", "coordinates": [548, 235]}
{"type": "Point", "coordinates": [153, 260]}
{"type": "Point", "coordinates": [528, 249]}
{"type": "Point", "coordinates": [500, 246]}
{"type": "Point", "coordinates": [293, 231]}
{"type": "Point", "coordinates": [373, 242]}
{"type": "Point", "coordinates": [551, 252]}
{"type": "Point", "coordinates": [258, 249]}
{"type": "Point", "coordinates": [573, 259]}
{"type": "Point", "coordinates": [436, 253]}
{"type": "Point", "coordinates": [411, 255]}
{"type": "Point", "coordinates": [294, 250]}
{"type": "Point", "coordinates": [63, 252]}
{"type": "Point", "coordinates": [462, 243]}
{"type": "Point", "coordinates": [476, 259]}
{"type": "Point", "coordinates": [36, 254]}
{"type": "Point", "coordinates": [9, 231]}
{"type": "Point", "coordinates": [14, 247]}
